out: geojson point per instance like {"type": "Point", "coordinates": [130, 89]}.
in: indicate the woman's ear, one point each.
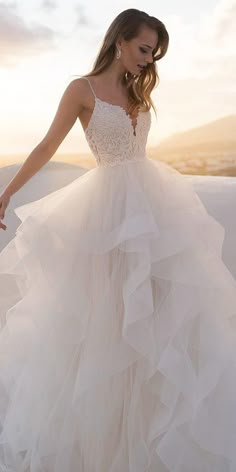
{"type": "Point", "coordinates": [119, 43]}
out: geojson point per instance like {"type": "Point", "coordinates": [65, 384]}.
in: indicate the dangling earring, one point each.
{"type": "Point", "coordinates": [118, 53]}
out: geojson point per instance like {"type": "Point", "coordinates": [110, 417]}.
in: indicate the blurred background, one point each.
{"type": "Point", "coordinates": [45, 44]}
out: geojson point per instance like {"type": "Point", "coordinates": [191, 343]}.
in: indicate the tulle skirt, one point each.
{"type": "Point", "coordinates": [118, 329]}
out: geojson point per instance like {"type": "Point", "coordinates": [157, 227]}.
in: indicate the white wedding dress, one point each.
{"type": "Point", "coordinates": [118, 320]}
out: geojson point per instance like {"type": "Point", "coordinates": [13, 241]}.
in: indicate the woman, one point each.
{"type": "Point", "coordinates": [117, 348]}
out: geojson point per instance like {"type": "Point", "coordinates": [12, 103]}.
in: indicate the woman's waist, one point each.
{"type": "Point", "coordinates": [121, 159]}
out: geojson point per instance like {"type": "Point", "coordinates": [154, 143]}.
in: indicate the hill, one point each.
{"type": "Point", "coordinates": [209, 149]}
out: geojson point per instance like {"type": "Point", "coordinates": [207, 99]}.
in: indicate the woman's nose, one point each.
{"type": "Point", "coordinates": [150, 58]}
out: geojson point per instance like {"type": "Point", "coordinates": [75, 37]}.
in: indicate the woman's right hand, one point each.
{"type": "Point", "coordinates": [4, 201]}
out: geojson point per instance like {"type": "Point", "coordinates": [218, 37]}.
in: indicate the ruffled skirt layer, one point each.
{"type": "Point", "coordinates": [118, 329]}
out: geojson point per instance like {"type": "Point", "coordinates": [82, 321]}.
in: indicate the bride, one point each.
{"type": "Point", "coordinates": [118, 333]}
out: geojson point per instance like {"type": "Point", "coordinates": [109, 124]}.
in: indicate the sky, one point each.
{"type": "Point", "coordinates": [45, 44]}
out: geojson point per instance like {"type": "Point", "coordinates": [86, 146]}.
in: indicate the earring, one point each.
{"type": "Point", "coordinates": [118, 53]}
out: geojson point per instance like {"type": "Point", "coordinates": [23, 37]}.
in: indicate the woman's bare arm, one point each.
{"type": "Point", "coordinates": [68, 110]}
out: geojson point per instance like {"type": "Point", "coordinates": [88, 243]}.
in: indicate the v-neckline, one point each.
{"type": "Point", "coordinates": [116, 106]}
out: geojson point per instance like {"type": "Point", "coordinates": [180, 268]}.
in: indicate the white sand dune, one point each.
{"type": "Point", "coordinates": [217, 193]}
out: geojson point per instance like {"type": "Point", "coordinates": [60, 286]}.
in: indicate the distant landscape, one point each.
{"type": "Point", "coordinates": [209, 149]}
{"type": "Point", "coordinates": [206, 150]}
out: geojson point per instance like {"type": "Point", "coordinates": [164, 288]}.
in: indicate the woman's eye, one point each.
{"type": "Point", "coordinates": [142, 50]}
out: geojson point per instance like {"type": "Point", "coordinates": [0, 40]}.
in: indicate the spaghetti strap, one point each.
{"type": "Point", "coordinates": [89, 84]}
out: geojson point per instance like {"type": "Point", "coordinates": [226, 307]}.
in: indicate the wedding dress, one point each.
{"type": "Point", "coordinates": [118, 320]}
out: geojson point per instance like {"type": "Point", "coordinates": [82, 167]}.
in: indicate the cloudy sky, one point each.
{"type": "Point", "coordinates": [44, 44]}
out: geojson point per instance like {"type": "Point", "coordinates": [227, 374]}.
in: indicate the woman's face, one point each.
{"type": "Point", "coordinates": [138, 51]}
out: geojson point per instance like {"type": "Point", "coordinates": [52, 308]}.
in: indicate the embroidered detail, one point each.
{"type": "Point", "coordinates": [110, 134]}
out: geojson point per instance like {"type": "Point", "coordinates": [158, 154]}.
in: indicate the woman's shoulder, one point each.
{"type": "Point", "coordinates": [79, 84]}
{"type": "Point", "coordinates": [81, 90]}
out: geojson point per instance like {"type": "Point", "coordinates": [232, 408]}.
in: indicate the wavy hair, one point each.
{"type": "Point", "coordinates": [127, 26]}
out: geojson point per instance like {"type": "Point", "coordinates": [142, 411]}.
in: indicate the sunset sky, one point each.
{"type": "Point", "coordinates": [44, 44]}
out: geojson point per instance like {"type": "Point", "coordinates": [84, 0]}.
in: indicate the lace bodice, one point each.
{"type": "Point", "coordinates": [112, 136]}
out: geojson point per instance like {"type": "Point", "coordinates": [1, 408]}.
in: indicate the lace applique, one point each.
{"type": "Point", "coordinates": [110, 134]}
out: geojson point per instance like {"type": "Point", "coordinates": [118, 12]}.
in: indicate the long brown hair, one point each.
{"type": "Point", "coordinates": [127, 25]}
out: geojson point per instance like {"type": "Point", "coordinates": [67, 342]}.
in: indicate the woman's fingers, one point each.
{"type": "Point", "coordinates": [2, 210]}
{"type": "Point", "coordinates": [2, 226]}
{"type": "Point", "coordinates": [3, 206]}
{"type": "Point", "coordinates": [2, 213]}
